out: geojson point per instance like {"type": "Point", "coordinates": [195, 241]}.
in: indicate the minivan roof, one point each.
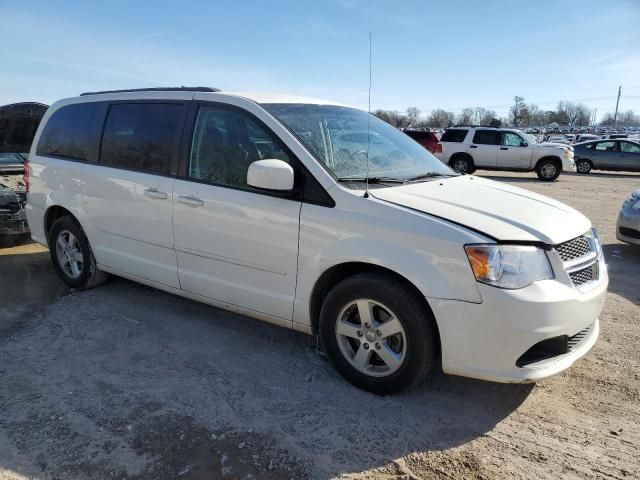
{"type": "Point", "coordinates": [253, 96]}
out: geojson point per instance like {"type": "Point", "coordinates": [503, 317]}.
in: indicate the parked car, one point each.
{"type": "Point", "coordinates": [613, 136]}
{"type": "Point", "coordinates": [467, 148]}
{"type": "Point", "coordinates": [607, 155]}
{"type": "Point", "coordinates": [13, 194]}
{"type": "Point", "coordinates": [426, 138]}
{"type": "Point", "coordinates": [628, 226]}
{"type": "Point", "coordinates": [18, 124]}
{"type": "Point", "coordinates": [585, 137]}
{"type": "Point", "coordinates": [397, 264]}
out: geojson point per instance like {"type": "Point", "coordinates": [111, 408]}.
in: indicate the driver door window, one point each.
{"type": "Point", "coordinates": [225, 142]}
{"type": "Point", "coordinates": [510, 139]}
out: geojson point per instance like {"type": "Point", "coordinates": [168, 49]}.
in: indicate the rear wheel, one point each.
{"type": "Point", "coordinates": [462, 164]}
{"type": "Point", "coordinates": [548, 170]}
{"type": "Point", "coordinates": [583, 166]}
{"type": "Point", "coordinates": [72, 257]}
{"type": "Point", "coordinates": [377, 333]}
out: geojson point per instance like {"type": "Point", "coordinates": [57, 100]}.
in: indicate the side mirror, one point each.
{"type": "Point", "coordinates": [524, 144]}
{"type": "Point", "coordinates": [274, 175]}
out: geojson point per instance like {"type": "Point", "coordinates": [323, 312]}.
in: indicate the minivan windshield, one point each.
{"type": "Point", "coordinates": [341, 138]}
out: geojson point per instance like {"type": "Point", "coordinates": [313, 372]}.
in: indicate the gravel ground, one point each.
{"type": "Point", "coordinates": [126, 382]}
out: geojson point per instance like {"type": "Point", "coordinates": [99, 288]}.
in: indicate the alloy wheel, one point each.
{"type": "Point", "coordinates": [69, 254]}
{"type": "Point", "coordinates": [371, 338]}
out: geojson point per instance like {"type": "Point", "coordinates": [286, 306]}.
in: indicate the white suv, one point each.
{"type": "Point", "coordinates": [259, 204]}
{"type": "Point", "coordinates": [467, 148]}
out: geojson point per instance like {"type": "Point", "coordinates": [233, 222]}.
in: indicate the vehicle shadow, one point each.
{"type": "Point", "coordinates": [128, 353]}
{"type": "Point", "coordinates": [623, 263]}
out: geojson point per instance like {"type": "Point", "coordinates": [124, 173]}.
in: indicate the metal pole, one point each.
{"type": "Point", "coordinates": [615, 116]}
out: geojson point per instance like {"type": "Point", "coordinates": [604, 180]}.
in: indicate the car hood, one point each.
{"type": "Point", "coordinates": [496, 209]}
{"type": "Point", "coordinates": [554, 145]}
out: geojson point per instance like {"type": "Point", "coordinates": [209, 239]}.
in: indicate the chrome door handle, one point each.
{"type": "Point", "coordinates": [190, 200]}
{"type": "Point", "coordinates": [153, 192]}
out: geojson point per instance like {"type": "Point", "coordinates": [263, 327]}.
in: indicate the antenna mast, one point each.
{"type": "Point", "coordinates": [366, 192]}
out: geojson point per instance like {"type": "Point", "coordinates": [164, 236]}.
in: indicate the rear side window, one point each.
{"type": "Point", "coordinates": [606, 146]}
{"type": "Point", "coordinates": [487, 137]}
{"type": "Point", "coordinates": [141, 136]}
{"type": "Point", "coordinates": [454, 135]}
{"type": "Point", "coordinates": [68, 132]}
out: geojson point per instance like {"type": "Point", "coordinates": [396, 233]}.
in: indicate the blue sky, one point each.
{"type": "Point", "coordinates": [425, 54]}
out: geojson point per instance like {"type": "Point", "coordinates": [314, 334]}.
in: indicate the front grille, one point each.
{"type": "Point", "coordinates": [576, 248]}
{"type": "Point", "coordinates": [629, 232]}
{"type": "Point", "coordinates": [585, 275]}
{"type": "Point", "coordinates": [578, 338]}
{"type": "Point", "coordinates": [580, 258]}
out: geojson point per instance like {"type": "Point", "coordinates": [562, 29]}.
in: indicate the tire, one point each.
{"type": "Point", "coordinates": [72, 257]}
{"type": "Point", "coordinates": [462, 164]}
{"type": "Point", "coordinates": [410, 350]}
{"type": "Point", "coordinates": [548, 169]}
{"type": "Point", "coordinates": [583, 166]}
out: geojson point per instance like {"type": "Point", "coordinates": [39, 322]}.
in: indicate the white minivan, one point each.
{"type": "Point", "coordinates": [268, 206]}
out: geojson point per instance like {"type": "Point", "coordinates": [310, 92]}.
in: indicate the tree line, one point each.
{"type": "Point", "coordinates": [521, 114]}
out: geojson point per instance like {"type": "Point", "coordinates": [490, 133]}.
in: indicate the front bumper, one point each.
{"type": "Point", "coordinates": [13, 223]}
{"type": "Point", "coordinates": [486, 340]}
{"type": "Point", "coordinates": [568, 165]}
{"type": "Point", "coordinates": [629, 221]}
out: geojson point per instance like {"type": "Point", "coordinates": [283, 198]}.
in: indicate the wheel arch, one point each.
{"type": "Point", "coordinates": [52, 214]}
{"type": "Point", "coordinates": [341, 271]}
{"type": "Point", "coordinates": [553, 158]}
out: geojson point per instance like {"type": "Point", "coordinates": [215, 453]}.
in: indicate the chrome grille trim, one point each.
{"type": "Point", "coordinates": [573, 249]}
{"type": "Point", "coordinates": [580, 260]}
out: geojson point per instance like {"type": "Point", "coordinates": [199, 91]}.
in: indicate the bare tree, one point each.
{"type": "Point", "coordinates": [518, 112]}
{"type": "Point", "coordinates": [413, 116]}
{"type": "Point", "coordinates": [466, 116]}
{"type": "Point", "coordinates": [440, 118]}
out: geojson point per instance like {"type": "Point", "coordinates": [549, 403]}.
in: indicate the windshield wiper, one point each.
{"type": "Point", "coordinates": [372, 179]}
{"type": "Point", "coordinates": [424, 176]}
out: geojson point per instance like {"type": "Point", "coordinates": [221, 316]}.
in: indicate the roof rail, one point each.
{"type": "Point", "coordinates": [155, 89]}
{"type": "Point", "coordinates": [473, 126]}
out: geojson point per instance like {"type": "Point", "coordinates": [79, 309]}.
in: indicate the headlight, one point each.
{"type": "Point", "coordinates": [508, 266]}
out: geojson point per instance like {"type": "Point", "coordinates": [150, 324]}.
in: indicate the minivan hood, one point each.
{"type": "Point", "coordinates": [496, 209]}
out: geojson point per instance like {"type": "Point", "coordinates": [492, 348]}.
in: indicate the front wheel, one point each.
{"type": "Point", "coordinates": [378, 333]}
{"type": "Point", "coordinates": [548, 170]}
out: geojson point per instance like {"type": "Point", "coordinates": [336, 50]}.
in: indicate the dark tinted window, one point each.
{"type": "Point", "coordinates": [68, 132]}
{"type": "Point", "coordinates": [225, 142]}
{"type": "Point", "coordinates": [487, 137]}
{"type": "Point", "coordinates": [454, 135]}
{"type": "Point", "coordinates": [141, 136]}
{"type": "Point", "coordinates": [419, 135]}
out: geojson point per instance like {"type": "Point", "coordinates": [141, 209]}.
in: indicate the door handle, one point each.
{"type": "Point", "coordinates": [504, 148]}
{"type": "Point", "coordinates": [153, 192]}
{"type": "Point", "coordinates": [190, 200]}
{"type": "Point", "coordinates": [473, 146]}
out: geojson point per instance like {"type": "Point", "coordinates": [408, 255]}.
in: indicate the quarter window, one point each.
{"type": "Point", "coordinates": [141, 136]}
{"type": "Point", "coordinates": [68, 132]}
{"type": "Point", "coordinates": [225, 142]}
{"type": "Point", "coordinates": [628, 147]}
{"type": "Point", "coordinates": [454, 135]}
{"type": "Point", "coordinates": [486, 137]}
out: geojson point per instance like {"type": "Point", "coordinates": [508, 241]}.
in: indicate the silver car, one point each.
{"type": "Point", "coordinates": [628, 227]}
{"type": "Point", "coordinates": [607, 155]}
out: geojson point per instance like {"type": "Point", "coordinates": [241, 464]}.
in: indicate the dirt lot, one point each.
{"type": "Point", "coordinates": [126, 382]}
